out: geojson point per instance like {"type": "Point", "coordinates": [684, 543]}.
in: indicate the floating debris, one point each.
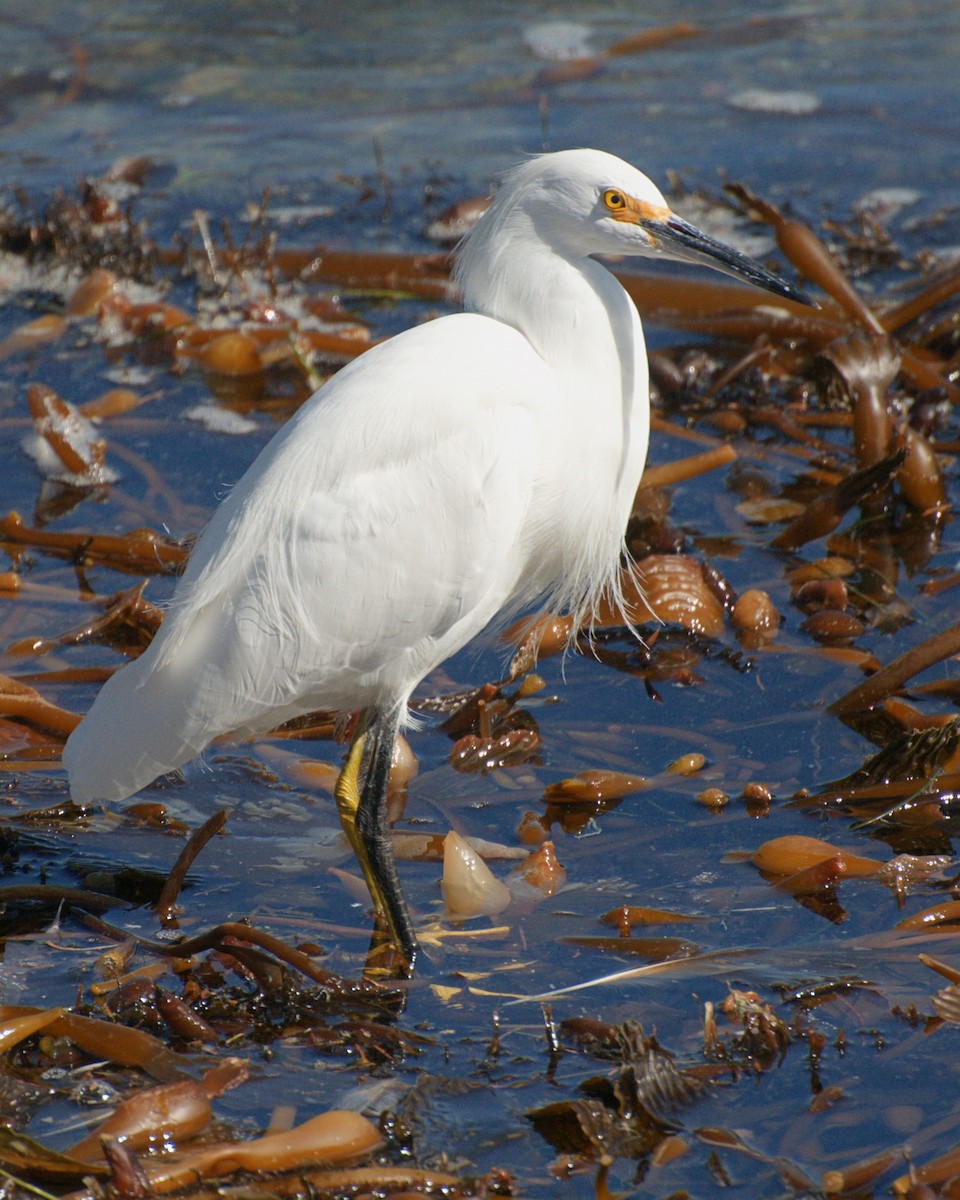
{"type": "Point", "coordinates": [220, 420]}
{"type": "Point", "coordinates": [558, 41]}
{"type": "Point", "coordinates": [786, 103]}
{"type": "Point", "coordinates": [470, 889]}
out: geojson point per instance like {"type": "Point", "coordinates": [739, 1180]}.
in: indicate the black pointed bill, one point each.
{"type": "Point", "coordinates": [677, 239]}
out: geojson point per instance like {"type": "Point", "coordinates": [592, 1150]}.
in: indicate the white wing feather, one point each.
{"type": "Point", "coordinates": [377, 533]}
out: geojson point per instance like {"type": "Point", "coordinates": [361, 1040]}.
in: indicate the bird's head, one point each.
{"type": "Point", "coordinates": [583, 202]}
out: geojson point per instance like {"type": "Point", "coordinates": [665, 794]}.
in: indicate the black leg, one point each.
{"type": "Point", "coordinates": [362, 801]}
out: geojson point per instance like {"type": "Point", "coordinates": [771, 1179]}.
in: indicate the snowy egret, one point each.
{"type": "Point", "coordinates": [476, 464]}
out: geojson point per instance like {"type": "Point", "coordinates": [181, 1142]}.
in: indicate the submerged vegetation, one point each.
{"type": "Point", "coordinates": [798, 597]}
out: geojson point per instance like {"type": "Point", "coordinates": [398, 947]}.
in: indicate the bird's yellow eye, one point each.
{"type": "Point", "coordinates": [614, 200]}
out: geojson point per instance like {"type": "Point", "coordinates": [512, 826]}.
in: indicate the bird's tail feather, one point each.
{"type": "Point", "coordinates": [134, 732]}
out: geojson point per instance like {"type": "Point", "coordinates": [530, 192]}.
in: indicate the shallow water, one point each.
{"type": "Point", "coordinates": [239, 98]}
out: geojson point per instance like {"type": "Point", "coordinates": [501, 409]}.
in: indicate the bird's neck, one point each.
{"type": "Point", "coordinates": [571, 310]}
{"type": "Point", "coordinates": [580, 321]}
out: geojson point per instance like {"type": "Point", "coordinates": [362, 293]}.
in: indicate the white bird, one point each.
{"type": "Point", "coordinates": [479, 463]}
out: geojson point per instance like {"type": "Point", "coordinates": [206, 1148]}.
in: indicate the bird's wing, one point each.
{"type": "Point", "coordinates": [376, 534]}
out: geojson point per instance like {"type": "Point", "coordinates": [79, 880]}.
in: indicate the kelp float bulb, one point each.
{"type": "Point", "coordinates": [483, 461]}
